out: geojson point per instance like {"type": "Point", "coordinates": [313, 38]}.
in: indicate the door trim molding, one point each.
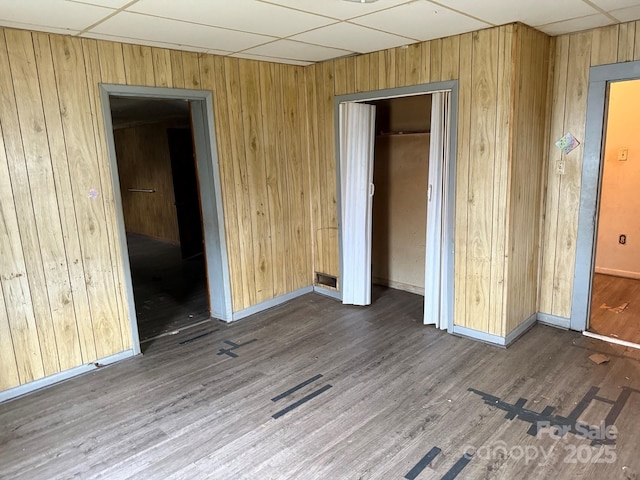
{"type": "Point", "coordinates": [449, 208]}
{"type": "Point", "coordinates": [599, 79]}
{"type": "Point", "coordinates": [210, 194]}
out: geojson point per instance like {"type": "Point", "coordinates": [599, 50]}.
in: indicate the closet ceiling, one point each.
{"type": "Point", "coordinates": [301, 31]}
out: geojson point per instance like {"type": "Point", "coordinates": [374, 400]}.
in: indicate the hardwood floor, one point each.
{"type": "Point", "coordinates": [170, 293]}
{"type": "Point", "coordinates": [615, 291]}
{"type": "Point", "coordinates": [200, 404]}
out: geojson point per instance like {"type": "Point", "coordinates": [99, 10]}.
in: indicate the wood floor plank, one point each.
{"type": "Point", "coordinates": [398, 389]}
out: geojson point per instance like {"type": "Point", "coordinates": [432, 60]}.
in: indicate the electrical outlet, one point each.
{"type": "Point", "coordinates": [560, 167]}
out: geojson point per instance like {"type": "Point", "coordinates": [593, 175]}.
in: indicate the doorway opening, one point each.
{"type": "Point", "coordinates": [405, 230]}
{"type": "Point", "coordinates": [615, 308]}
{"type": "Point", "coordinates": [167, 192]}
{"type": "Point", "coordinates": [162, 216]}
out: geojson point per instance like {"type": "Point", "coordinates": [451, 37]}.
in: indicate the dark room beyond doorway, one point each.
{"type": "Point", "coordinates": [162, 215]}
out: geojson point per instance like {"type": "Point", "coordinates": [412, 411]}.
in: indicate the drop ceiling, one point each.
{"type": "Point", "coordinates": [301, 31]}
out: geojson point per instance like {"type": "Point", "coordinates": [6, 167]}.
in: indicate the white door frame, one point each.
{"type": "Point", "coordinates": [450, 170]}
{"type": "Point", "coordinates": [597, 100]}
{"type": "Point", "coordinates": [210, 194]}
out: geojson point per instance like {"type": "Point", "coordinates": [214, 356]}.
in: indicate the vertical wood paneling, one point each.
{"type": "Point", "coordinates": [569, 198]}
{"type": "Point", "coordinates": [27, 362]}
{"type": "Point", "coordinates": [144, 161]}
{"type": "Point", "coordinates": [481, 173]}
{"type": "Point", "coordinates": [636, 48]}
{"type": "Point", "coordinates": [62, 299]}
{"type": "Point", "coordinates": [626, 42]}
{"type": "Point", "coordinates": [465, 85]}
{"type": "Point", "coordinates": [284, 152]}
{"type": "Point", "coordinates": [604, 48]}
{"type": "Point", "coordinates": [425, 69]}
{"type": "Point", "coordinates": [387, 65]}
{"type": "Point", "coordinates": [350, 75]}
{"type": "Point", "coordinates": [92, 69]}
{"type": "Point", "coordinates": [276, 204]}
{"type": "Point", "coordinates": [49, 229]}
{"type": "Point", "coordinates": [330, 212]}
{"type": "Point", "coordinates": [295, 108]}
{"type": "Point", "coordinates": [191, 69]}
{"type": "Point", "coordinates": [485, 65]}
{"type": "Point", "coordinates": [31, 328]}
{"type": "Point", "coordinates": [177, 69]}
{"type": "Point", "coordinates": [241, 186]}
{"type": "Point", "coordinates": [413, 63]}
{"type": "Point", "coordinates": [9, 377]}
{"type": "Point", "coordinates": [502, 178]}
{"type": "Point", "coordinates": [74, 100]}
{"type": "Point", "coordinates": [256, 176]}
{"type": "Point", "coordinates": [374, 70]}
{"type": "Point", "coordinates": [66, 206]}
{"type": "Point", "coordinates": [527, 168]}
{"type": "Point", "coordinates": [450, 58]}
{"type": "Point", "coordinates": [340, 76]}
{"type": "Point", "coordinates": [162, 67]}
{"type": "Point", "coordinates": [552, 209]}
{"type": "Point", "coordinates": [138, 64]}
{"type": "Point", "coordinates": [575, 54]}
{"type": "Point", "coordinates": [111, 62]}
{"type": "Point", "coordinates": [436, 60]}
{"type": "Point", "coordinates": [212, 72]}
{"type": "Point", "coordinates": [313, 158]}
{"type": "Point", "coordinates": [362, 73]}
{"type": "Point", "coordinates": [401, 65]}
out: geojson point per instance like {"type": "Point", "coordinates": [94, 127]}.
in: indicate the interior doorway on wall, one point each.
{"type": "Point", "coordinates": [160, 200]}
{"type": "Point", "coordinates": [398, 147]}
{"type": "Point", "coordinates": [615, 293]}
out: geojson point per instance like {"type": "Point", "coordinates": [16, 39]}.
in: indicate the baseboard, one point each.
{"type": "Point", "coordinates": [273, 302]}
{"type": "Point", "coordinates": [328, 292]}
{"type": "Point", "coordinates": [617, 273]}
{"type": "Point", "coordinates": [521, 329]}
{"type": "Point", "coordinates": [59, 377]}
{"type": "Point", "coordinates": [554, 321]}
{"type": "Point", "coordinates": [398, 285]}
{"type": "Point", "coordinates": [496, 340]}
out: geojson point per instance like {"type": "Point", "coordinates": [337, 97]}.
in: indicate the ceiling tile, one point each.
{"type": "Point", "coordinates": [609, 5]}
{"type": "Point", "coordinates": [156, 29]}
{"type": "Point", "coordinates": [531, 12]}
{"type": "Point", "coordinates": [337, 8]}
{"type": "Point", "coordinates": [51, 13]}
{"type": "Point", "coordinates": [297, 51]}
{"type": "Point", "coordinates": [150, 43]}
{"type": "Point", "coordinates": [353, 38]}
{"type": "Point", "coordinates": [103, 3]}
{"type": "Point", "coordinates": [261, 58]}
{"type": "Point", "coordinates": [244, 15]}
{"type": "Point", "coordinates": [576, 25]}
{"type": "Point", "coordinates": [421, 20]}
{"type": "Point", "coordinates": [627, 14]}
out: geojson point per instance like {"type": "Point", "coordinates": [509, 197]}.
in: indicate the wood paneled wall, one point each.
{"type": "Point", "coordinates": [529, 131]}
{"type": "Point", "coordinates": [484, 63]}
{"type": "Point", "coordinates": [63, 301]}
{"type": "Point", "coordinates": [144, 162]}
{"type": "Point", "coordinates": [574, 55]}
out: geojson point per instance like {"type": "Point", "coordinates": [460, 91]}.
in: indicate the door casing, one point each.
{"type": "Point", "coordinates": [203, 127]}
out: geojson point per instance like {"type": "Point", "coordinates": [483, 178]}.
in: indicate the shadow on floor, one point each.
{"type": "Point", "coordinates": [170, 293]}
